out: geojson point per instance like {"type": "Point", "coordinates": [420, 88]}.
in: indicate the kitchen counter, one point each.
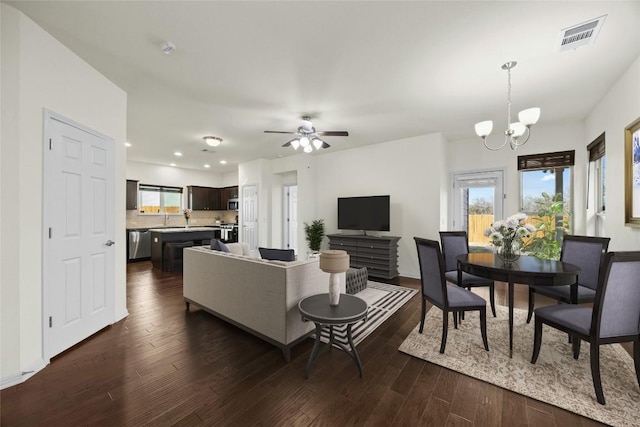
{"type": "Point", "coordinates": [184, 230]}
{"type": "Point", "coordinates": [161, 236]}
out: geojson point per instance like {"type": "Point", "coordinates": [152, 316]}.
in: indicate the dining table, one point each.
{"type": "Point", "coordinates": [527, 269]}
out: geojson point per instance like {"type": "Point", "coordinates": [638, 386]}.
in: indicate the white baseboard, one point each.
{"type": "Point", "coordinates": [19, 378]}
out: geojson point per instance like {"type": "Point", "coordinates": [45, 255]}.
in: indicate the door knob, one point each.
{"type": "Point", "coordinates": [110, 243]}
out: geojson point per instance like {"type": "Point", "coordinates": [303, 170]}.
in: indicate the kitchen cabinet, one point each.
{"type": "Point", "coordinates": [204, 198]}
{"type": "Point", "coordinates": [132, 194]}
{"type": "Point", "coordinates": [209, 198]}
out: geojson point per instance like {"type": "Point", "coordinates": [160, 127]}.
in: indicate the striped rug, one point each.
{"type": "Point", "coordinates": [383, 301]}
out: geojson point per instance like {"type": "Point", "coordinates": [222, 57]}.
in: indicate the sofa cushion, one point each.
{"type": "Point", "coordinates": [217, 245]}
{"type": "Point", "coordinates": [239, 248]}
{"type": "Point", "coordinates": [277, 254]}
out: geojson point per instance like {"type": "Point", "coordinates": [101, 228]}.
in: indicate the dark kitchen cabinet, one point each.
{"type": "Point", "coordinates": [132, 194]}
{"type": "Point", "coordinates": [204, 198]}
{"type": "Point", "coordinates": [224, 197]}
{"type": "Point", "coordinates": [233, 192]}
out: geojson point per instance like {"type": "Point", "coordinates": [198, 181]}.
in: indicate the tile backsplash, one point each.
{"type": "Point", "coordinates": [135, 220]}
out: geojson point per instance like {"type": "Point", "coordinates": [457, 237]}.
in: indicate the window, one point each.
{"type": "Point", "coordinates": [549, 173]}
{"type": "Point", "coordinates": [156, 200]}
{"type": "Point", "coordinates": [597, 166]}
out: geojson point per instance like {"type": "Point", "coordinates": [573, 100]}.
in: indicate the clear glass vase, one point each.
{"type": "Point", "coordinates": [509, 251]}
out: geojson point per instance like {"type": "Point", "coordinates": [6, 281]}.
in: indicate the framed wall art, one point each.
{"type": "Point", "coordinates": [632, 174]}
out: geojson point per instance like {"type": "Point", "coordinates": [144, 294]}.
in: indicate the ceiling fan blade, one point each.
{"type": "Point", "coordinates": [325, 145]}
{"type": "Point", "coordinates": [288, 143]}
{"type": "Point", "coordinates": [278, 131]}
{"type": "Point", "coordinates": [333, 133]}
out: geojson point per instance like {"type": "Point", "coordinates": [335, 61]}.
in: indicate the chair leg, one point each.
{"type": "Point", "coordinates": [445, 327]}
{"type": "Point", "coordinates": [424, 312]}
{"type": "Point", "coordinates": [636, 357]}
{"type": "Point", "coordinates": [483, 327]}
{"type": "Point", "coordinates": [595, 372]}
{"type": "Point", "coordinates": [492, 299]}
{"type": "Point", "coordinates": [532, 298]}
{"type": "Point", "coordinates": [455, 319]}
{"type": "Point", "coordinates": [537, 340]}
{"type": "Point", "coordinates": [576, 347]}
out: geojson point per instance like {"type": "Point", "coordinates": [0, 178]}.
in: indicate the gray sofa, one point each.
{"type": "Point", "coordinates": [256, 295]}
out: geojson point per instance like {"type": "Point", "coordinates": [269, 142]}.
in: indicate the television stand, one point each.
{"type": "Point", "coordinates": [379, 254]}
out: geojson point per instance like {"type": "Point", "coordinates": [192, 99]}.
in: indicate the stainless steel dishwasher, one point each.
{"type": "Point", "coordinates": [139, 244]}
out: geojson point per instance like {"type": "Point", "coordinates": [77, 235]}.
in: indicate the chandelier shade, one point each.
{"type": "Point", "coordinates": [516, 130]}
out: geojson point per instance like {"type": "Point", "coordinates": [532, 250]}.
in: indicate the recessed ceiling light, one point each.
{"type": "Point", "coordinates": [127, 144]}
{"type": "Point", "coordinates": [168, 48]}
{"type": "Point", "coordinates": [172, 164]}
{"type": "Point", "coordinates": [177, 153]}
{"type": "Point", "coordinates": [207, 166]}
{"type": "Point", "coordinates": [223, 162]}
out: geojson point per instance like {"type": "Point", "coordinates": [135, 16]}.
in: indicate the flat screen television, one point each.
{"type": "Point", "coordinates": [364, 213]}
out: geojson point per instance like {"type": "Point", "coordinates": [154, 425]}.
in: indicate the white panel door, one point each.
{"type": "Point", "coordinates": [250, 216]}
{"type": "Point", "coordinates": [79, 262]}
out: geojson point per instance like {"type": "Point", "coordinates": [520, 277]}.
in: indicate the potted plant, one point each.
{"type": "Point", "coordinates": [550, 225]}
{"type": "Point", "coordinates": [315, 233]}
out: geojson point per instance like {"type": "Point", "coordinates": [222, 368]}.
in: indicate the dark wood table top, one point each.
{"type": "Point", "coordinates": [526, 269]}
{"type": "Point", "coordinates": [316, 308]}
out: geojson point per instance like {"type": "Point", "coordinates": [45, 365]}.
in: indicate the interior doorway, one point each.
{"type": "Point", "coordinates": [249, 216]}
{"type": "Point", "coordinates": [290, 217]}
{"type": "Point", "coordinates": [478, 201]}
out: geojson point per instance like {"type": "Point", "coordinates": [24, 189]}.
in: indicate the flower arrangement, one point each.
{"type": "Point", "coordinates": [187, 215]}
{"type": "Point", "coordinates": [507, 235]}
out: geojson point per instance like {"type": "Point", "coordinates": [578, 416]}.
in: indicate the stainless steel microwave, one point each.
{"type": "Point", "coordinates": [232, 205]}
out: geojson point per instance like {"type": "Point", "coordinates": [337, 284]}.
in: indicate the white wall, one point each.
{"type": "Point", "coordinates": [412, 171]}
{"type": "Point", "coordinates": [39, 72]}
{"type": "Point", "coordinates": [617, 109]}
{"type": "Point", "coordinates": [467, 155]}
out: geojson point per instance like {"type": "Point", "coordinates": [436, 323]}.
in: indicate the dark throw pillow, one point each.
{"type": "Point", "coordinates": [217, 245]}
{"type": "Point", "coordinates": [277, 254]}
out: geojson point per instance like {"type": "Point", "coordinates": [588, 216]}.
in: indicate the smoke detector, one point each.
{"type": "Point", "coordinates": [580, 35]}
{"type": "Point", "coordinates": [168, 48]}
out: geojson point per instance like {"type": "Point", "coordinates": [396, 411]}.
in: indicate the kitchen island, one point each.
{"type": "Point", "coordinates": [161, 236]}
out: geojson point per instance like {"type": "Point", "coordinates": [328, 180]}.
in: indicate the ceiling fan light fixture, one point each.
{"type": "Point", "coordinates": [308, 149]}
{"type": "Point", "coordinates": [212, 141]}
{"type": "Point", "coordinates": [295, 144]}
{"type": "Point", "coordinates": [304, 142]}
{"type": "Point", "coordinates": [317, 143]}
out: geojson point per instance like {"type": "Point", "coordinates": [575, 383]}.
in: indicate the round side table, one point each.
{"type": "Point", "coordinates": [316, 309]}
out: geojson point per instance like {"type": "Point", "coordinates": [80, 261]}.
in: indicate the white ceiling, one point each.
{"type": "Point", "coordinates": [381, 70]}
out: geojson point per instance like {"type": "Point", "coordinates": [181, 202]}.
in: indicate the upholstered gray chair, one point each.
{"type": "Point", "coordinates": [584, 252]}
{"type": "Point", "coordinates": [456, 243]}
{"type": "Point", "coordinates": [448, 298]}
{"type": "Point", "coordinates": [614, 317]}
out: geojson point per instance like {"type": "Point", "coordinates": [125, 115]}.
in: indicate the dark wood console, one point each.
{"type": "Point", "coordinates": [379, 254]}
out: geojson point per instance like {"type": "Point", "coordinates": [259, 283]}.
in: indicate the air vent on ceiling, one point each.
{"type": "Point", "coordinates": [208, 150]}
{"type": "Point", "coordinates": [580, 35]}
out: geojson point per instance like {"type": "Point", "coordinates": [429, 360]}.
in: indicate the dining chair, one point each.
{"type": "Point", "coordinates": [584, 252]}
{"type": "Point", "coordinates": [456, 243]}
{"type": "Point", "coordinates": [614, 317]}
{"type": "Point", "coordinates": [448, 298]}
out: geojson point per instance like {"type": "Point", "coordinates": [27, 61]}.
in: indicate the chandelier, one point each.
{"type": "Point", "coordinates": [515, 131]}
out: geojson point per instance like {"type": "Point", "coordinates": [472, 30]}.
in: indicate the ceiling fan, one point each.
{"type": "Point", "coordinates": [307, 137]}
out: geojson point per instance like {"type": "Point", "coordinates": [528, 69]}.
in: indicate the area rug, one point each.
{"type": "Point", "coordinates": [383, 300]}
{"type": "Point", "coordinates": [556, 378]}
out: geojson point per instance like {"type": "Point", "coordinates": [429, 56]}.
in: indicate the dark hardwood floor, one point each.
{"type": "Point", "coordinates": [164, 366]}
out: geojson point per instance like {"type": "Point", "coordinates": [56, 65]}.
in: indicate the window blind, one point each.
{"type": "Point", "coordinates": [547, 160]}
{"type": "Point", "coordinates": [596, 148]}
{"type": "Point", "coordinates": [160, 188]}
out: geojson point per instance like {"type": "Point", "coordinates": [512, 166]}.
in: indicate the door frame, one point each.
{"type": "Point", "coordinates": [47, 192]}
{"type": "Point", "coordinates": [498, 201]}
